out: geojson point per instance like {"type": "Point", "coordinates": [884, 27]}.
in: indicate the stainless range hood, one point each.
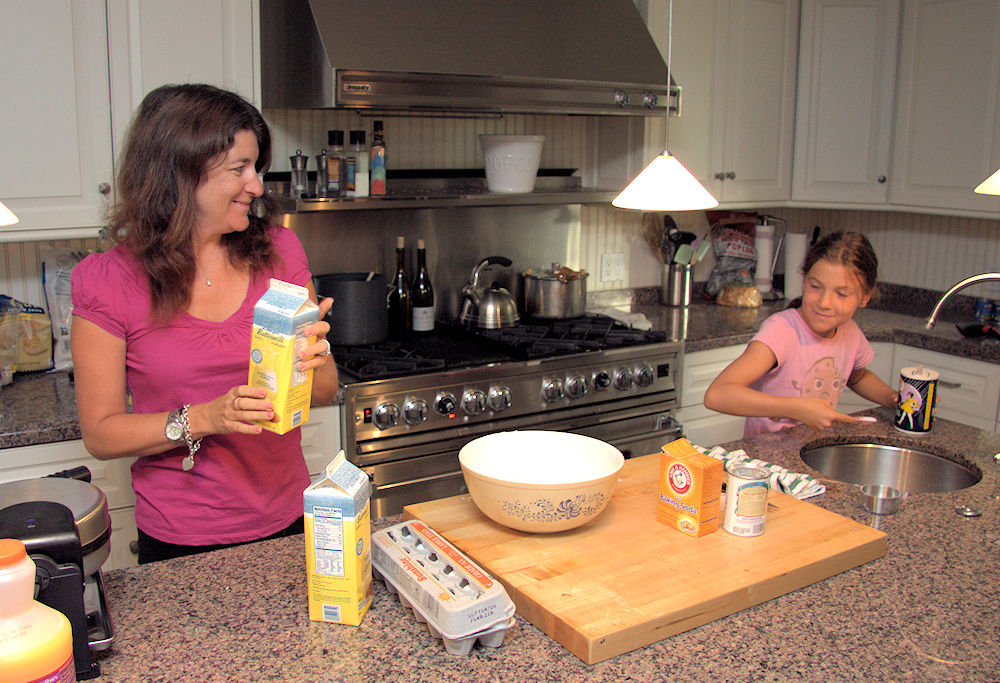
{"type": "Point", "coordinates": [480, 57]}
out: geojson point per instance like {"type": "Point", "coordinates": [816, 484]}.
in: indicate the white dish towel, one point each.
{"type": "Point", "coordinates": [800, 486]}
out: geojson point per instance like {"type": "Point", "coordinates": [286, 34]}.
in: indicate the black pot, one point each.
{"type": "Point", "coordinates": [359, 316]}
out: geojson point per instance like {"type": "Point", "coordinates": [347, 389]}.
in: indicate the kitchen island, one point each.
{"type": "Point", "coordinates": [926, 611]}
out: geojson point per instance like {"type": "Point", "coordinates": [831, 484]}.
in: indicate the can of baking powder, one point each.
{"type": "Point", "coordinates": [915, 408]}
{"type": "Point", "coordinates": [746, 501]}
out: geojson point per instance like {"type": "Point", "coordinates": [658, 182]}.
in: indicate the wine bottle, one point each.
{"type": "Point", "coordinates": [422, 293]}
{"type": "Point", "coordinates": [399, 295]}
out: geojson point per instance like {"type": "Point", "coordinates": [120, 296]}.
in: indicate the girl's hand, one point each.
{"type": "Point", "coordinates": [233, 413]}
{"type": "Point", "coordinates": [314, 355]}
{"type": "Point", "coordinates": [819, 414]}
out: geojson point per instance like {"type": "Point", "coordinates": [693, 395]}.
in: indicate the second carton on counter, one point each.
{"type": "Point", "coordinates": [690, 489]}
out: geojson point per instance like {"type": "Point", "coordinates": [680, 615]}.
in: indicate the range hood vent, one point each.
{"type": "Point", "coordinates": [479, 57]}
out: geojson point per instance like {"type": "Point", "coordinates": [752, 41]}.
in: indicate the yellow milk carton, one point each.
{"type": "Point", "coordinates": [690, 489]}
{"type": "Point", "coordinates": [338, 544]}
{"type": "Point", "coordinates": [279, 318]}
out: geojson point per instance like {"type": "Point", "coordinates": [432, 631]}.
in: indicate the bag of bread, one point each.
{"type": "Point", "coordinates": [732, 235]}
{"type": "Point", "coordinates": [57, 267]}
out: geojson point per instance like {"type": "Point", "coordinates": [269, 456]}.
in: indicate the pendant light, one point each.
{"type": "Point", "coordinates": [991, 185]}
{"type": "Point", "coordinates": [665, 185]}
{"type": "Point", "coordinates": [7, 217]}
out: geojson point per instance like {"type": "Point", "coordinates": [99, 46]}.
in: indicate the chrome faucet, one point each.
{"type": "Point", "coordinates": [973, 280]}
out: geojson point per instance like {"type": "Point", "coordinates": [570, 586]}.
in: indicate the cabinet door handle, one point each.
{"type": "Point", "coordinates": [881, 179]}
{"type": "Point", "coordinates": [104, 188]}
{"type": "Point", "coordinates": [731, 175]}
{"type": "Point", "coordinates": [720, 176]}
{"type": "Point", "coordinates": [950, 385]}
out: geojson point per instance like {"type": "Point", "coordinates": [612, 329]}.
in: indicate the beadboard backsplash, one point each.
{"type": "Point", "coordinates": [931, 252]}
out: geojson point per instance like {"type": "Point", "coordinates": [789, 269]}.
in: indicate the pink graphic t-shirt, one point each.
{"type": "Point", "coordinates": [808, 365]}
{"type": "Point", "coordinates": [242, 487]}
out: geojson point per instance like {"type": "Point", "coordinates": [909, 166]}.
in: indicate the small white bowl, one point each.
{"type": "Point", "coordinates": [540, 481]}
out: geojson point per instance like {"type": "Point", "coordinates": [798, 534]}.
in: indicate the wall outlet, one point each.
{"type": "Point", "coordinates": [612, 267]}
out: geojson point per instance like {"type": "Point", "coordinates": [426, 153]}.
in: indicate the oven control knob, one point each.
{"type": "Point", "coordinates": [444, 404]}
{"type": "Point", "coordinates": [602, 381]}
{"type": "Point", "coordinates": [415, 411]}
{"type": "Point", "coordinates": [499, 399]}
{"type": "Point", "coordinates": [386, 416]}
{"type": "Point", "coordinates": [645, 375]}
{"type": "Point", "coordinates": [576, 387]}
{"type": "Point", "coordinates": [474, 402]}
{"type": "Point", "coordinates": [624, 379]}
{"type": "Point", "coordinates": [552, 390]}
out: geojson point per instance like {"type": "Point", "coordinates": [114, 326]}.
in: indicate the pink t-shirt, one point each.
{"type": "Point", "coordinates": [242, 487]}
{"type": "Point", "coordinates": [807, 365]}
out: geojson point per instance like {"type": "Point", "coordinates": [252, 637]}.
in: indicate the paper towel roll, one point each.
{"type": "Point", "coordinates": [795, 253]}
{"type": "Point", "coordinates": [764, 245]}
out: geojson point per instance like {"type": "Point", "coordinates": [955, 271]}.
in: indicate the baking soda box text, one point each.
{"type": "Point", "coordinates": [279, 319]}
{"type": "Point", "coordinates": [338, 544]}
{"type": "Point", "coordinates": [690, 489]}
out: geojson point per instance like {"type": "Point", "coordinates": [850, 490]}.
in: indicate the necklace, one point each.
{"type": "Point", "coordinates": [208, 281]}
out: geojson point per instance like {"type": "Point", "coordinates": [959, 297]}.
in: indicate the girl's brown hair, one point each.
{"type": "Point", "coordinates": [176, 135]}
{"type": "Point", "coordinates": [851, 249]}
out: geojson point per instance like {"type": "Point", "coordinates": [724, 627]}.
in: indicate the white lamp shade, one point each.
{"type": "Point", "coordinates": [6, 216]}
{"type": "Point", "coordinates": [991, 185]}
{"type": "Point", "coordinates": [665, 185]}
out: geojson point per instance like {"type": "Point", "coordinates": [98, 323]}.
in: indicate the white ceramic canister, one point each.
{"type": "Point", "coordinates": [917, 393]}
{"type": "Point", "coordinates": [746, 501]}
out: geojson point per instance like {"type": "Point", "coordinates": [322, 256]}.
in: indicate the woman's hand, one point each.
{"type": "Point", "coordinates": [233, 413]}
{"type": "Point", "coordinates": [315, 355]}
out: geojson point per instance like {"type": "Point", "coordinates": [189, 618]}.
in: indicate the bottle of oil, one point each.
{"type": "Point", "coordinates": [422, 293]}
{"type": "Point", "coordinates": [36, 641]}
{"type": "Point", "coordinates": [399, 295]}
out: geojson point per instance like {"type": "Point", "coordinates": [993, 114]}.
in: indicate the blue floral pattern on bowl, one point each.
{"type": "Point", "coordinates": [547, 510]}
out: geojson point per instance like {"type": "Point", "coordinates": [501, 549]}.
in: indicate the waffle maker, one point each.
{"type": "Point", "coordinates": [66, 528]}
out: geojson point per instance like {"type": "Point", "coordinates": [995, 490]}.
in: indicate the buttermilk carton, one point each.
{"type": "Point", "coordinates": [279, 319]}
{"type": "Point", "coordinates": [338, 544]}
{"type": "Point", "coordinates": [690, 489]}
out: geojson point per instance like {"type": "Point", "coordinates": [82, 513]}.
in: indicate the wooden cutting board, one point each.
{"type": "Point", "coordinates": [623, 580]}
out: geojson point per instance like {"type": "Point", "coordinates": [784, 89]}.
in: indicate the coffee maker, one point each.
{"type": "Point", "coordinates": [65, 526]}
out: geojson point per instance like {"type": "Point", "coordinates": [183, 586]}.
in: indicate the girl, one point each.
{"type": "Point", "coordinates": [795, 368]}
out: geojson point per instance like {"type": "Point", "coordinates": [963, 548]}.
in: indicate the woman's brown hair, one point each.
{"type": "Point", "coordinates": [851, 249]}
{"type": "Point", "coordinates": [176, 135]}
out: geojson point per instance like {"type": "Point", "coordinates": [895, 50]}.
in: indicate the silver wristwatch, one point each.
{"type": "Point", "coordinates": [178, 430]}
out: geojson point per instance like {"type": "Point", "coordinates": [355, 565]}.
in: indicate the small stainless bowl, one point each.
{"type": "Point", "coordinates": [880, 499]}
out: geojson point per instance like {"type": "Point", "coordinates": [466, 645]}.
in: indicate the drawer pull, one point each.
{"type": "Point", "coordinates": [950, 385]}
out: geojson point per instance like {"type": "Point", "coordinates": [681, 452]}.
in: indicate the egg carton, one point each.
{"type": "Point", "coordinates": [444, 588]}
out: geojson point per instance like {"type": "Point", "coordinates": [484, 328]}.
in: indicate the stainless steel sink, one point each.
{"type": "Point", "coordinates": [906, 469]}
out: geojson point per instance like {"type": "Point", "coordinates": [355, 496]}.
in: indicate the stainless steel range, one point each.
{"type": "Point", "coordinates": [410, 406]}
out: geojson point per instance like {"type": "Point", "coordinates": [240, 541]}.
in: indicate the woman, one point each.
{"type": "Point", "coordinates": [165, 317]}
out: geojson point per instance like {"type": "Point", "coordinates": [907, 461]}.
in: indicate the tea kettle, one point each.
{"type": "Point", "coordinates": [488, 307]}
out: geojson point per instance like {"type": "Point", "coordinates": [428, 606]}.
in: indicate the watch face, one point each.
{"type": "Point", "coordinates": [174, 431]}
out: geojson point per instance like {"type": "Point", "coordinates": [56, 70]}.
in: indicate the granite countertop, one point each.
{"type": "Point", "coordinates": [40, 408]}
{"type": "Point", "coordinates": [926, 611]}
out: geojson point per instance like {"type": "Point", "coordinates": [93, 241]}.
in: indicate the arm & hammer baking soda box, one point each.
{"type": "Point", "coordinates": [279, 319]}
{"type": "Point", "coordinates": [338, 544]}
{"type": "Point", "coordinates": [690, 489]}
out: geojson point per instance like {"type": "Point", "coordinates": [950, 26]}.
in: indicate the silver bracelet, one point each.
{"type": "Point", "coordinates": [192, 443]}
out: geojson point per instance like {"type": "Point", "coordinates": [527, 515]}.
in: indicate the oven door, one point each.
{"type": "Point", "coordinates": [430, 470]}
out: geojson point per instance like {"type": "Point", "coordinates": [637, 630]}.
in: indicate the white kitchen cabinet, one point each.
{"type": "Point", "coordinates": [154, 42]}
{"type": "Point", "coordinates": [736, 63]}
{"type": "Point", "coordinates": [968, 390]}
{"type": "Point", "coordinates": [702, 426]}
{"type": "Point", "coordinates": [55, 122]}
{"type": "Point", "coordinates": [846, 94]}
{"type": "Point", "coordinates": [320, 443]}
{"type": "Point", "coordinates": [881, 365]}
{"type": "Point", "coordinates": [947, 127]}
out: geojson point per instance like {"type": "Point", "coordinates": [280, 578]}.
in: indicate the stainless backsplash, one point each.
{"type": "Point", "coordinates": [457, 239]}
